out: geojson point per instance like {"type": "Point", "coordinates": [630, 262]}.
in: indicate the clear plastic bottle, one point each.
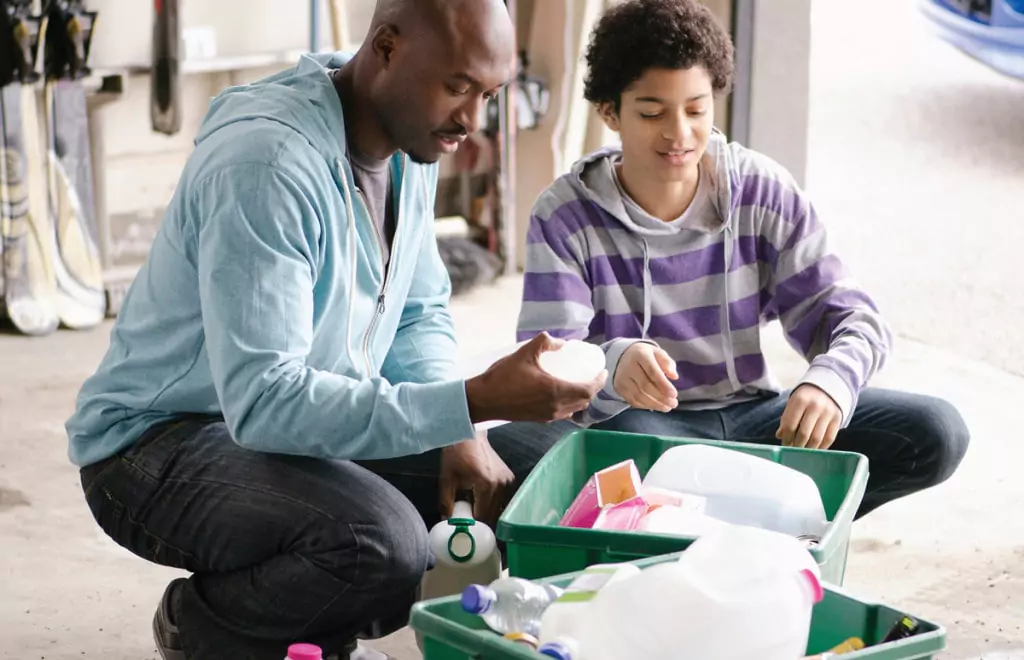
{"type": "Point", "coordinates": [305, 652]}
{"type": "Point", "coordinates": [510, 605]}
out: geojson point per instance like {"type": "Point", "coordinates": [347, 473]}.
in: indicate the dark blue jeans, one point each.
{"type": "Point", "coordinates": [281, 548]}
{"type": "Point", "coordinates": [912, 442]}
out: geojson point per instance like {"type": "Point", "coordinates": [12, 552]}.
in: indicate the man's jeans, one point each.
{"type": "Point", "coordinates": [281, 548]}
{"type": "Point", "coordinates": [912, 442]}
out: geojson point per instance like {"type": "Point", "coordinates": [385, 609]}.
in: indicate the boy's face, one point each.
{"type": "Point", "coordinates": [664, 122]}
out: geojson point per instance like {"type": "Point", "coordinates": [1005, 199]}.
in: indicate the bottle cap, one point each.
{"type": "Point", "coordinates": [523, 638]}
{"type": "Point", "coordinates": [556, 650]}
{"type": "Point", "coordinates": [305, 652]}
{"type": "Point", "coordinates": [477, 599]}
{"type": "Point", "coordinates": [811, 580]}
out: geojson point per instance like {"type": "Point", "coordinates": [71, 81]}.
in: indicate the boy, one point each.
{"type": "Point", "coordinates": [673, 250]}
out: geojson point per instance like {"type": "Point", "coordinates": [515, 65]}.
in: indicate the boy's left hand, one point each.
{"type": "Point", "coordinates": [811, 419]}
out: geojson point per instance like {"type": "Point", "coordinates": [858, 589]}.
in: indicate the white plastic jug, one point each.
{"type": "Point", "coordinates": [752, 604]}
{"type": "Point", "coordinates": [743, 489]}
{"type": "Point", "coordinates": [465, 551]}
{"type": "Point", "coordinates": [561, 617]}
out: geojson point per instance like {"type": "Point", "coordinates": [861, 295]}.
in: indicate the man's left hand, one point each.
{"type": "Point", "coordinates": [473, 464]}
{"type": "Point", "coordinates": [811, 419]}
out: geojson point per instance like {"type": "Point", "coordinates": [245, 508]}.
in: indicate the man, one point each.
{"type": "Point", "coordinates": [291, 319]}
{"type": "Point", "coordinates": [674, 251]}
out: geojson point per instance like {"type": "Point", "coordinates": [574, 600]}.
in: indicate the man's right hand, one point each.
{"type": "Point", "coordinates": [517, 389]}
{"type": "Point", "coordinates": [643, 376]}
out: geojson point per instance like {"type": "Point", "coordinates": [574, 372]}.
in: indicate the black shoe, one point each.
{"type": "Point", "coordinates": [165, 632]}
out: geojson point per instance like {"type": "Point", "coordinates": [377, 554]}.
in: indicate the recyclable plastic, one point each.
{"type": "Point", "coordinates": [576, 361]}
{"type": "Point", "coordinates": [560, 618]}
{"type": "Point", "coordinates": [743, 489]}
{"type": "Point", "coordinates": [510, 605]}
{"type": "Point", "coordinates": [465, 553]}
{"type": "Point", "coordinates": [752, 602]}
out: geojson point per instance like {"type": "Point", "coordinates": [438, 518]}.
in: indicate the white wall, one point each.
{"type": "Point", "coordinates": [142, 167]}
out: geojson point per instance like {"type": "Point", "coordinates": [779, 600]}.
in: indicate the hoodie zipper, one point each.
{"type": "Point", "coordinates": [382, 294]}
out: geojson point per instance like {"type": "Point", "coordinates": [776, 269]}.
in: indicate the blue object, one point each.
{"type": "Point", "coordinates": [477, 599]}
{"type": "Point", "coordinates": [555, 650]}
{"type": "Point", "coordinates": [995, 39]}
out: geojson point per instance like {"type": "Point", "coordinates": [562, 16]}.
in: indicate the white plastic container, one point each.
{"type": "Point", "coordinates": [751, 602]}
{"type": "Point", "coordinates": [465, 553]}
{"type": "Point", "coordinates": [677, 521]}
{"type": "Point", "coordinates": [561, 617]}
{"type": "Point", "coordinates": [743, 489]}
{"type": "Point", "coordinates": [576, 361]}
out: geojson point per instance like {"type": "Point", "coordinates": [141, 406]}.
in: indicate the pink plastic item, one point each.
{"type": "Point", "coordinates": [622, 517]}
{"type": "Point", "coordinates": [817, 592]}
{"type": "Point", "coordinates": [305, 652]}
{"type": "Point", "coordinates": [611, 485]}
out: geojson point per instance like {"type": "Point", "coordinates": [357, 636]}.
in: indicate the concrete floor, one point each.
{"type": "Point", "coordinates": [916, 163]}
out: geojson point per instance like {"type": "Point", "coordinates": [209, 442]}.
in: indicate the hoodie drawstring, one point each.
{"type": "Point", "coordinates": [352, 239]}
{"type": "Point", "coordinates": [647, 290]}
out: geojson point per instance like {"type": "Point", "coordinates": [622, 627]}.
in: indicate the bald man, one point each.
{"type": "Point", "coordinates": [278, 413]}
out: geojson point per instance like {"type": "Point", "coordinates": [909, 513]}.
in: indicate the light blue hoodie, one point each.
{"type": "Point", "coordinates": [264, 297]}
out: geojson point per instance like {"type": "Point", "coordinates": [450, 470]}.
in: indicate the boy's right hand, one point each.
{"type": "Point", "coordinates": [517, 389]}
{"type": "Point", "coordinates": [643, 376]}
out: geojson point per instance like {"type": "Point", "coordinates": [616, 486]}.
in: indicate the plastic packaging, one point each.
{"type": "Point", "coordinates": [576, 361]}
{"type": "Point", "coordinates": [752, 603]}
{"type": "Point", "coordinates": [743, 489]}
{"type": "Point", "coordinates": [510, 605]}
{"type": "Point", "coordinates": [465, 553]}
{"type": "Point", "coordinates": [560, 618]}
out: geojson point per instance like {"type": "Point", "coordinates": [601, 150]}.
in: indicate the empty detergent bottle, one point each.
{"type": "Point", "coordinates": [465, 553]}
{"type": "Point", "coordinates": [510, 605]}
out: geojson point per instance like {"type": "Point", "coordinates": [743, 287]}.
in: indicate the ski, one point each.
{"type": "Point", "coordinates": [165, 83]}
{"type": "Point", "coordinates": [29, 295]}
{"type": "Point", "coordinates": [81, 302]}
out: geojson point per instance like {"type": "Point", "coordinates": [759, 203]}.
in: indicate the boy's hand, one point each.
{"type": "Point", "coordinates": [643, 378]}
{"type": "Point", "coordinates": [811, 419]}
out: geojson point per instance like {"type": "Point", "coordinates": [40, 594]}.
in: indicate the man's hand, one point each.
{"type": "Point", "coordinates": [811, 419]}
{"type": "Point", "coordinates": [517, 389]}
{"type": "Point", "coordinates": [474, 465]}
{"type": "Point", "coordinates": [643, 377]}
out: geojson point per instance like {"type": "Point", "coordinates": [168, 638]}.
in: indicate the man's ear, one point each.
{"type": "Point", "coordinates": [384, 41]}
{"type": "Point", "coordinates": [610, 115]}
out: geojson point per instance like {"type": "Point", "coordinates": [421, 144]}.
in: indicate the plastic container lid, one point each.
{"type": "Point", "coordinates": [477, 599]}
{"type": "Point", "coordinates": [305, 652]}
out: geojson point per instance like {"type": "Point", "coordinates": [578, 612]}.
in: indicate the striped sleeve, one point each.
{"type": "Point", "coordinates": [825, 314]}
{"type": "Point", "coordinates": [557, 300]}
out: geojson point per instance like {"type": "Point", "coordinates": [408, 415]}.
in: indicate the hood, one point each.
{"type": "Point", "coordinates": [593, 177]}
{"type": "Point", "coordinates": [301, 98]}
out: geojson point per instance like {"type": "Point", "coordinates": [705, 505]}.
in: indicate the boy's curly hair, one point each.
{"type": "Point", "coordinates": [638, 35]}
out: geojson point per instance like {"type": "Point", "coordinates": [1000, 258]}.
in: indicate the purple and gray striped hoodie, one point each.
{"type": "Point", "coordinates": [702, 294]}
